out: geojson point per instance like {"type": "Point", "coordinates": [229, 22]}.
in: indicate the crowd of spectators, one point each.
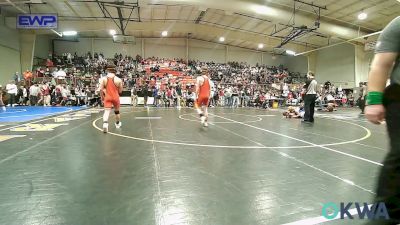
{"type": "Point", "coordinates": [48, 94]}
{"type": "Point", "coordinates": [69, 79]}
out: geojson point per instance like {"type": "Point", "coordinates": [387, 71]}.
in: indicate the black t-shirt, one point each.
{"type": "Point", "coordinates": [327, 85]}
{"type": "Point", "coordinates": [145, 91]}
{"type": "Point", "coordinates": [179, 91]}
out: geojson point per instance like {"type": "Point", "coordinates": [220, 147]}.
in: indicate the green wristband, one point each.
{"type": "Point", "coordinates": [375, 98]}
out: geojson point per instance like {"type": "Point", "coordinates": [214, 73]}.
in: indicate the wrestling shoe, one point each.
{"type": "Point", "coordinates": [203, 120]}
{"type": "Point", "coordinates": [105, 127]}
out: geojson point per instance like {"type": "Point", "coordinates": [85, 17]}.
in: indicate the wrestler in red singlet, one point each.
{"type": "Point", "coordinates": [111, 87]}
{"type": "Point", "coordinates": [203, 96]}
{"type": "Point", "coordinates": [204, 92]}
{"type": "Point", "coordinates": [112, 93]}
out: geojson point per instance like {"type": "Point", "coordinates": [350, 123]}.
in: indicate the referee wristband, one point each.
{"type": "Point", "coordinates": [375, 98]}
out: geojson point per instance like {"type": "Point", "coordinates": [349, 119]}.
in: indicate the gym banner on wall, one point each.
{"type": "Point", "coordinates": [37, 21]}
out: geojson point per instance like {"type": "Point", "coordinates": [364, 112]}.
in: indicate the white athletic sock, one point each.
{"type": "Point", "coordinates": [205, 110]}
{"type": "Point", "coordinates": [106, 115]}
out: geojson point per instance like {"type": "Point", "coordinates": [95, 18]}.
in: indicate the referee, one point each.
{"type": "Point", "coordinates": [309, 98]}
{"type": "Point", "coordinates": [385, 103]}
{"type": "Point", "coordinates": [145, 93]}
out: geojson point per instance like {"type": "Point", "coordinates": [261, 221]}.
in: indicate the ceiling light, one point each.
{"type": "Point", "coordinates": [260, 45]}
{"type": "Point", "coordinates": [164, 33]}
{"type": "Point", "coordinates": [58, 34]}
{"type": "Point", "coordinates": [113, 32]}
{"type": "Point", "coordinates": [290, 52]}
{"type": "Point", "coordinates": [262, 9]}
{"type": "Point", "coordinates": [70, 33]}
{"type": "Point", "coordinates": [221, 39]}
{"type": "Point", "coordinates": [362, 16]}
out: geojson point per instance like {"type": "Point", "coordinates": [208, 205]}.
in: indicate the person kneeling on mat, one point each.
{"type": "Point", "coordinates": [330, 108]}
{"type": "Point", "coordinates": [294, 112]}
{"type": "Point", "coordinates": [111, 87]}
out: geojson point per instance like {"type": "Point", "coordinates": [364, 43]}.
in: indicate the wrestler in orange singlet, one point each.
{"type": "Point", "coordinates": [111, 87]}
{"type": "Point", "coordinates": [203, 89]}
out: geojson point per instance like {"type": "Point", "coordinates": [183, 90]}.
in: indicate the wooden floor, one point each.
{"type": "Point", "coordinates": [248, 167]}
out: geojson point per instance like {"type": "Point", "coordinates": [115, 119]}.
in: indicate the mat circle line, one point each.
{"type": "Point", "coordinates": [368, 134]}
{"type": "Point", "coordinates": [251, 121]}
{"type": "Point", "coordinates": [12, 111]}
{"type": "Point", "coordinates": [38, 114]}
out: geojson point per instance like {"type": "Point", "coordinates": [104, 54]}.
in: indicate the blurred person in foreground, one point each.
{"type": "Point", "coordinates": [384, 103]}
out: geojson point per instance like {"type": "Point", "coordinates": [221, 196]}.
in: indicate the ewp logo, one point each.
{"type": "Point", "coordinates": [376, 211]}
{"type": "Point", "coordinates": [37, 21]}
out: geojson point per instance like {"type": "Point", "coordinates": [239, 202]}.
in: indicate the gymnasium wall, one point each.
{"type": "Point", "coordinates": [337, 65]}
{"type": "Point", "coordinates": [81, 47]}
{"type": "Point", "coordinates": [296, 63]}
{"type": "Point", "coordinates": [240, 55]}
{"type": "Point", "coordinates": [206, 51]}
{"type": "Point", "coordinates": [104, 45]}
{"type": "Point", "coordinates": [176, 48]}
{"type": "Point", "coordinates": [165, 48]}
{"type": "Point", "coordinates": [42, 46]}
{"type": "Point", "coordinates": [9, 52]}
{"type": "Point", "coordinates": [109, 48]}
{"type": "Point", "coordinates": [362, 65]}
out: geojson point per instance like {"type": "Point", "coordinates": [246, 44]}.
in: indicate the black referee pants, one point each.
{"type": "Point", "coordinates": [309, 106]}
{"type": "Point", "coordinates": [388, 190]}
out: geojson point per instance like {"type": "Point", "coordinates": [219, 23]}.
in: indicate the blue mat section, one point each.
{"type": "Point", "coordinates": [23, 114]}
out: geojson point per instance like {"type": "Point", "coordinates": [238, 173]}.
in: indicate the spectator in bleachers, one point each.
{"type": "Point", "coordinates": [16, 78]}
{"type": "Point", "coordinates": [44, 94]}
{"type": "Point", "coordinates": [3, 107]}
{"type": "Point", "coordinates": [134, 96]}
{"type": "Point", "coordinates": [24, 97]}
{"type": "Point", "coordinates": [12, 91]}
{"type": "Point", "coordinates": [228, 96]}
{"type": "Point", "coordinates": [145, 93]}
{"type": "Point", "coordinates": [34, 91]}
{"type": "Point", "coordinates": [235, 97]}
{"type": "Point", "coordinates": [238, 84]}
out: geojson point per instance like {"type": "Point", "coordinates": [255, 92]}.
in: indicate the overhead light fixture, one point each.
{"type": "Point", "coordinates": [290, 52]}
{"type": "Point", "coordinates": [164, 33]}
{"type": "Point", "coordinates": [221, 39]}
{"type": "Point", "coordinates": [260, 46]}
{"type": "Point", "coordinates": [59, 34]}
{"type": "Point", "coordinates": [362, 16]}
{"type": "Point", "coordinates": [70, 33]}
{"type": "Point", "coordinates": [113, 32]}
{"type": "Point", "coordinates": [262, 9]}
